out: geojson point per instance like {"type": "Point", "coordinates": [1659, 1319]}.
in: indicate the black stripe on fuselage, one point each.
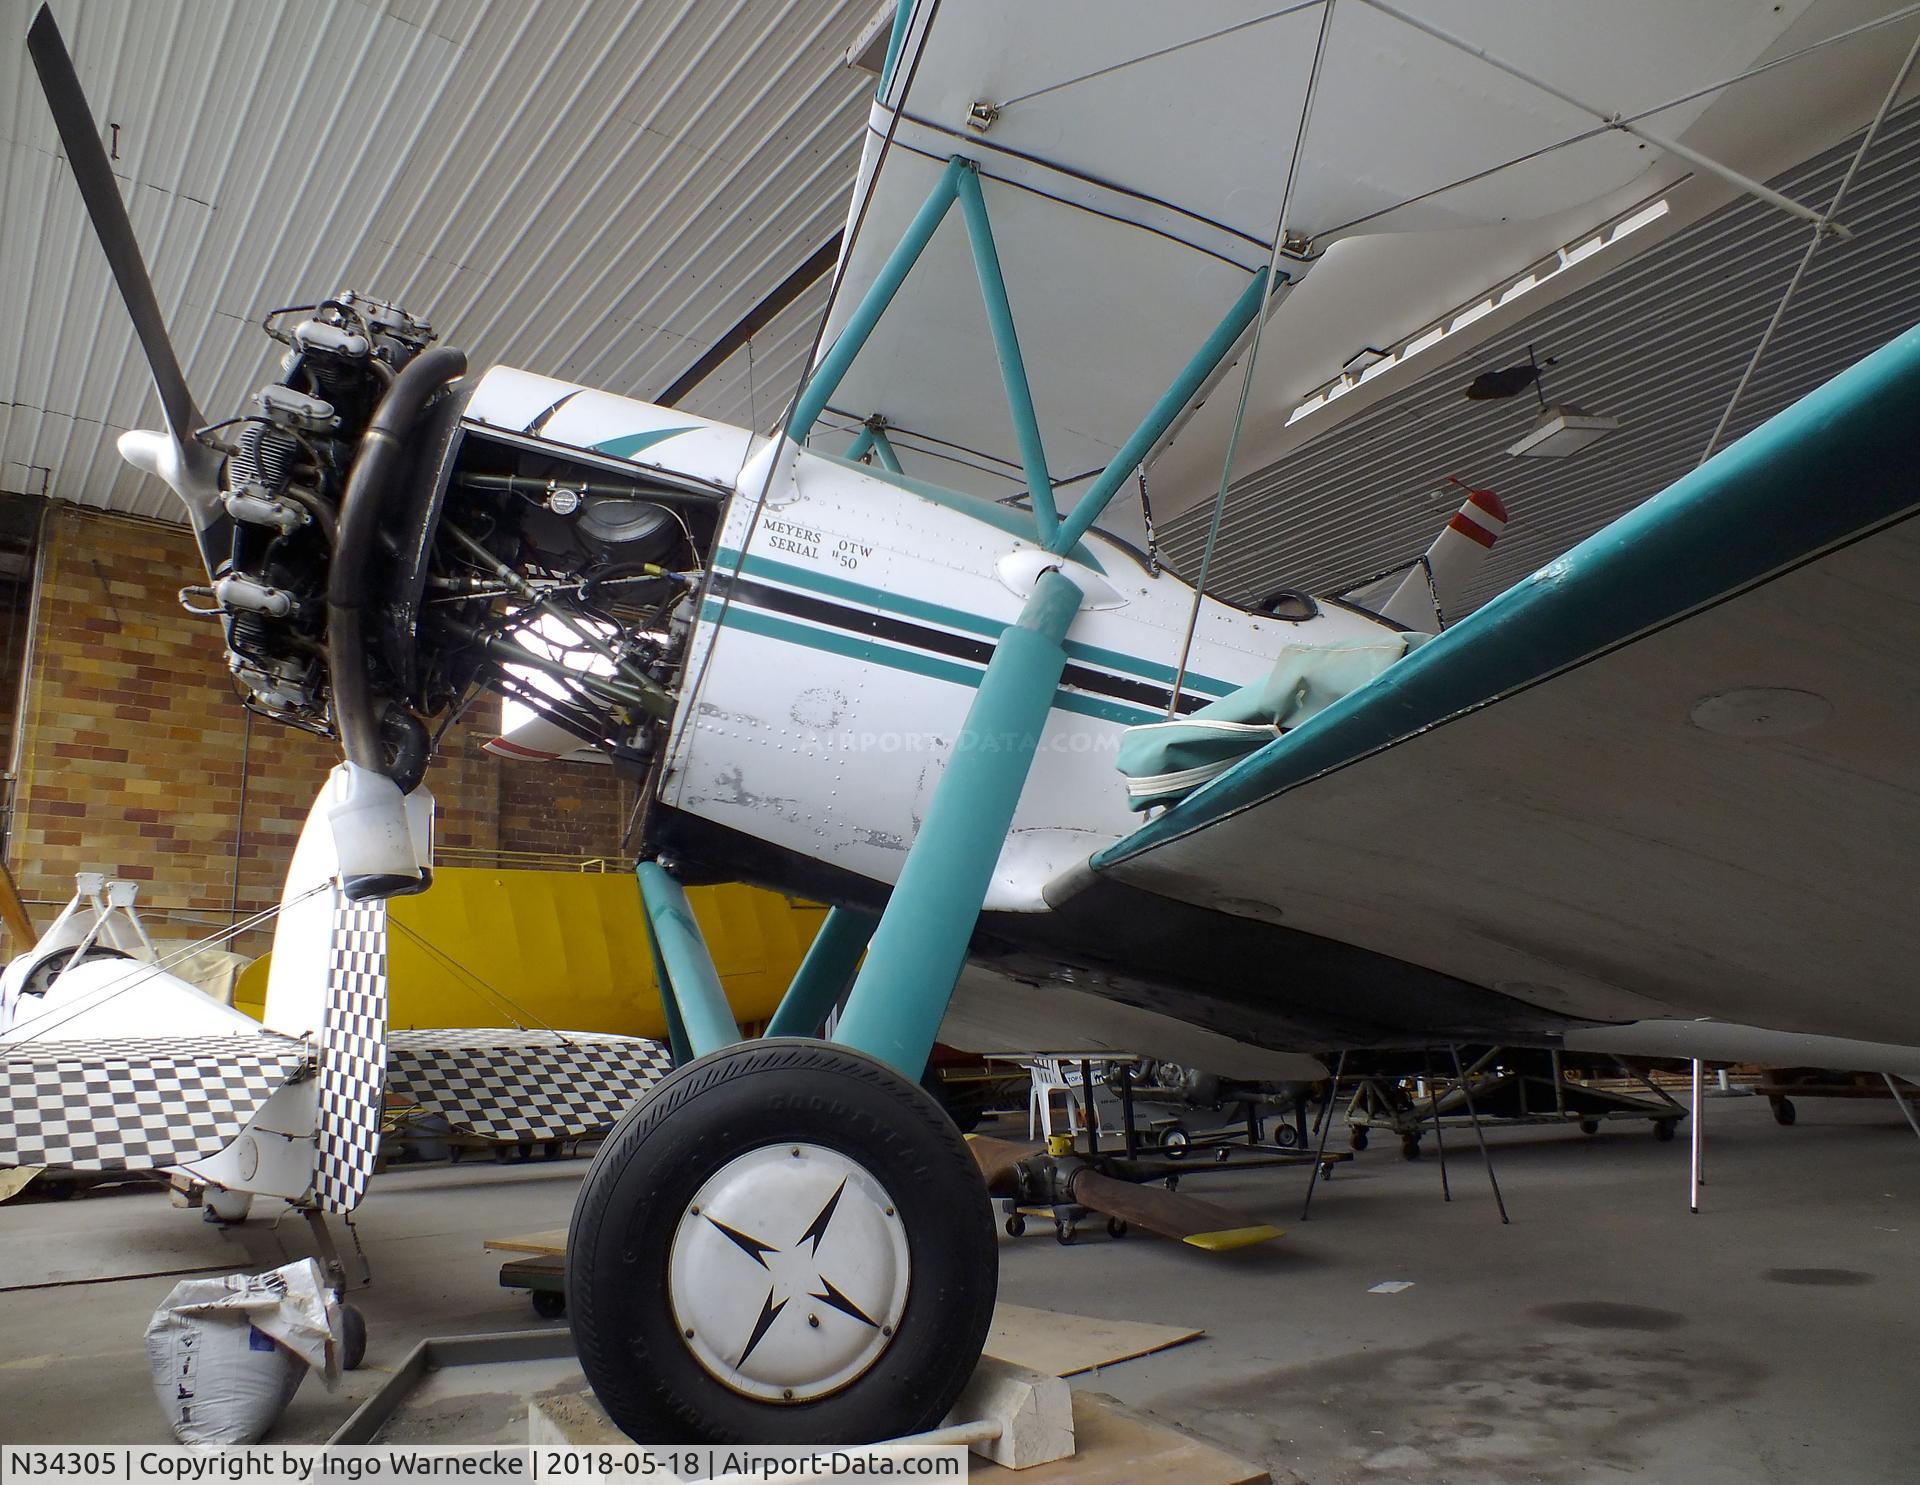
{"type": "Point", "coordinates": [934, 641]}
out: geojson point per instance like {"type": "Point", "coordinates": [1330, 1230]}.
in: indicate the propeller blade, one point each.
{"type": "Point", "coordinates": [94, 175]}
{"type": "Point", "coordinates": [998, 1160]}
{"type": "Point", "coordinates": [1169, 1213]}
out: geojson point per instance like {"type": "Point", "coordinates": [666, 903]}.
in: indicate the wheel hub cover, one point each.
{"type": "Point", "coordinates": [788, 1273]}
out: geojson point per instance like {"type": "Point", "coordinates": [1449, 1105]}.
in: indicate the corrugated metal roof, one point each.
{"type": "Point", "coordinates": [1659, 344]}
{"type": "Point", "coordinates": [592, 189]}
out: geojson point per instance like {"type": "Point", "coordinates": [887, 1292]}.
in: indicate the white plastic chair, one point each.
{"type": "Point", "coordinates": [1050, 1078]}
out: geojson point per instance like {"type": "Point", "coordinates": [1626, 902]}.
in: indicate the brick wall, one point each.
{"type": "Point", "coordinates": [136, 747]}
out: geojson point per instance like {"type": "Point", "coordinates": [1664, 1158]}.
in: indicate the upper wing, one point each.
{"type": "Point", "coordinates": [1133, 162]}
{"type": "Point", "coordinates": [1673, 773]}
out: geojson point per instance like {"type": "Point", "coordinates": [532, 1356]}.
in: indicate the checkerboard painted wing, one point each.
{"type": "Point", "coordinates": [135, 1104]}
{"type": "Point", "coordinates": [524, 1085]}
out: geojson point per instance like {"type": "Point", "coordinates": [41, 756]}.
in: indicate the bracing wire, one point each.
{"type": "Point", "coordinates": [1253, 357]}
{"type": "Point", "coordinates": [145, 972]}
{"type": "Point", "coordinates": [1821, 231]}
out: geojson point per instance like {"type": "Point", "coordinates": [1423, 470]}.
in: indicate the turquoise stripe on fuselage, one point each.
{"type": "Point", "coordinates": [953, 618]}
{"type": "Point", "coordinates": [738, 615]}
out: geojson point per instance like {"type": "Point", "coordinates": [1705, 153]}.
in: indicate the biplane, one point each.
{"type": "Point", "coordinates": [1040, 776]}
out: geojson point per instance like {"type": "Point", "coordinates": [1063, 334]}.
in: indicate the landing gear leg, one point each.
{"type": "Point", "coordinates": [787, 1241]}
{"type": "Point", "coordinates": [783, 1242]}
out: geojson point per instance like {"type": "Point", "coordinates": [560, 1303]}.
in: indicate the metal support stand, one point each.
{"type": "Point", "coordinates": [1900, 1101]}
{"type": "Point", "coordinates": [1439, 1139]}
{"type": "Point", "coordinates": [1092, 1114]}
{"type": "Point", "coordinates": [1466, 1088]}
{"type": "Point", "coordinates": [1129, 1135]}
{"type": "Point", "coordinates": [1326, 1125]}
{"type": "Point", "coordinates": [1697, 1139]}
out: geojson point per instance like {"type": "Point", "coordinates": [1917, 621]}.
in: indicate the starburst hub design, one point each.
{"type": "Point", "coordinates": [788, 1273]}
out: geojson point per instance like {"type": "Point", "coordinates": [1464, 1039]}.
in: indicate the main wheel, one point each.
{"type": "Point", "coordinates": [1357, 1136]}
{"type": "Point", "coordinates": [1589, 1126]}
{"type": "Point", "coordinates": [1409, 1147]}
{"type": "Point", "coordinates": [782, 1242]}
{"type": "Point", "coordinates": [1783, 1111]}
{"type": "Point", "coordinates": [1663, 1129]}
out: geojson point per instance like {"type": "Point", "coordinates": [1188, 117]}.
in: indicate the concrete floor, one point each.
{"type": "Point", "coordinates": [1605, 1335]}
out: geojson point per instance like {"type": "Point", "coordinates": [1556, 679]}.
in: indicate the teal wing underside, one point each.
{"type": "Point", "coordinates": [1673, 772]}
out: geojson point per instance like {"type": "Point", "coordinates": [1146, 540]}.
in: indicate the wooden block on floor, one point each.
{"type": "Point", "coordinates": [1063, 1345]}
{"type": "Point", "coordinates": [546, 1244]}
{"type": "Point", "coordinates": [1113, 1445]}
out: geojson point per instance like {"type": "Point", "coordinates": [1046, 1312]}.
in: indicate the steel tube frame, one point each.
{"type": "Point", "coordinates": [833, 366]}
{"type": "Point", "coordinates": [1006, 346]}
{"type": "Point", "coordinates": [901, 992]}
{"type": "Point", "coordinates": [960, 182]}
{"type": "Point", "coordinates": [1090, 506]}
{"type": "Point", "coordinates": [874, 437]}
{"type": "Point", "coordinates": [883, 451]}
{"type": "Point", "coordinates": [825, 973]}
{"type": "Point", "coordinates": [690, 982]}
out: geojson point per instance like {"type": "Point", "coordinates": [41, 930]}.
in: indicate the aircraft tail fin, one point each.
{"type": "Point", "coordinates": [1433, 588]}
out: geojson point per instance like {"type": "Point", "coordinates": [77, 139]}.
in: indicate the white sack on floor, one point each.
{"type": "Point", "coordinates": [228, 1354]}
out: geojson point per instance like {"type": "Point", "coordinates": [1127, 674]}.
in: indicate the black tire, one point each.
{"type": "Point", "coordinates": [1286, 1136]}
{"type": "Point", "coordinates": [966, 1112]}
{"type": "Point", "coordinates": [1116, 1229]}
{"type": "Point", "coordinates": [1172, 1183]}
{"type": "Point", "coordinates": [1783, 1111]}
{"type": "Point", "coordinates": [353, 1337]}
{"type": "Point", "coordinates": [1063, 1233]}
{"type": "Point", "coordinates": [549, 1304]}
{"type": "Point", "coordinates": [1175, 1142]}
{"type": "Point", "coordinates": [1409, 1147]}
{"type": "Point", "coordinates": [1357, 1136]}
{"type": "Point", "coordinates": [689, 1125]}
{"type": "Point", "coordinates": [1663, 1129]}
{"type": "Point", "coordinates": [1589, 1126]}
{"type": "Point", "coordinates": [1016, 1226]}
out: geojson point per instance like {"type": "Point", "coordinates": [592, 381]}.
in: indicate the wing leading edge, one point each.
{"type": "Point", "coordinates": [1672, 773]}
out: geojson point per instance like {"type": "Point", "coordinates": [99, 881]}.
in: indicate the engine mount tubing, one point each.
{"type": "Point", "coordinates": [375, 463]}
{"type": "Point", "coordinates": [1089, 507]}
{"type": "Point", "coordinates": [1006, 346]}
{"type": "Point", "coordinates": [691, 983]}
{"type": "Point", "coordinates": [827, 376]}
{"type": "Point", "coordinates": [915, 958]}
{"type": "Point", "coordinates": [825, 973]}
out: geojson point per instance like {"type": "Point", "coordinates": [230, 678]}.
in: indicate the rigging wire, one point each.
{"type": "Point", "coordinates": [497, 995]}
{"type": "Point", "coordinates": [1597, 130]}
{"type": "Point", "coordinates": [1821, 231]}
{"type": "Point", "coordinates": [1165, 51]}
{"type": "Point", "coordinates": [144, 972]}
{"type": "Point", "coordinates": [780, 435]}
{"type": "Point", "coordinates": [1253, 357]}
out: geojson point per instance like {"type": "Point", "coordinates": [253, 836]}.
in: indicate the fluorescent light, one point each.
{"type": "Point", "coordinates": [1560, 431]}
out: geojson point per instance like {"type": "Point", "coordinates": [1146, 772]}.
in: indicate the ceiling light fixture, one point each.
{"type": "Point", "coordinates": [1561, 431]}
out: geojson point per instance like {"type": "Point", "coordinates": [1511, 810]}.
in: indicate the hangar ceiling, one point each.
{"type": "Point", "coordinates": [594, 190]}
{"type": "Point", "coordinates": [1660, 344]}
{"type": "Point", "coordinates": [603, 190]}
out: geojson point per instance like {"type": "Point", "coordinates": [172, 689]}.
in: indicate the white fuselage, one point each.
{"type": "Point", "coordinates": [843, 630]}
